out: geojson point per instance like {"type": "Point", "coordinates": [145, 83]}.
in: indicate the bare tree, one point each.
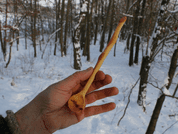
{"type": "Point", "coordinates": [148, 58]}
{"type": "Point", "coordinates": [76, 36]}
{"type": "Point", "coordinates": [160, 100]}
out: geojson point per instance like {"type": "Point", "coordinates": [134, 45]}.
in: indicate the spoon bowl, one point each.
{"type": "Point", "coordinates": [77, 102]}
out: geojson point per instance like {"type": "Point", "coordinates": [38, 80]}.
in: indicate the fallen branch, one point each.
{"type": "Point", "coordinates": [170, 127]}
{"type": "Point", "coordinates": [128, 101]}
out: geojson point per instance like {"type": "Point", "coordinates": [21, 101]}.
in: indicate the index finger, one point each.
{"type": "Point", "coordinates": [94, 110]}
{"type": "Point", "coordinates": [75, 79]}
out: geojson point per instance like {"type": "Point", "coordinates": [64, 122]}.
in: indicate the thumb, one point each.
{"type": "Point", "coordinates": [74, 79]}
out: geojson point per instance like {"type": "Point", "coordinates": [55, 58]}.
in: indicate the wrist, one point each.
{"type": "Point", "coordinates": [29, 119]}
{"type": "Point", "coordinates": [24, 119]}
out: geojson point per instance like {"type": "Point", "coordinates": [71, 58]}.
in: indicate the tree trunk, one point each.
{"type": "Point", "coordinates": [157, 109]}
{"type": "Point", "coordinates": [35, 31]}
{"type": "Point", "coordinates": [115, 50]}
{"type": "Point", "coordinates": [57, 23]}
{"type": "Point", "coordinates": [126, 27]}
{"type": "Point", "coordinates": [2, 43]}
{"type": "Point", "coordinates": [66, 27]}
{"type": "Point", "coordinates": [102, 41]}
{"type": "Point", "coordinates": [83, 31]}
{"type": "Point", "coordinates": [131, 50]}
{"type": "Point", "coordinates": [175, 90]}
{"type": "Point", "coordinates": [5, 34]}
{"type": "Point", "coordinates": [17, 36]}
{"type": "Point", "coordinates": [139, 32]}
{"type": "Point", "coordinates": [145, 67]}
{"type": "Point", "coordinates": [154, 117]}
{"type": "Point", "coordinates": [89, 18]}
{"type": "Point", "coordinates": [111, 21]}
{"type": "Point", "coordinates": [76, 37]}
{"type": "Point", "coordinates": [137, 50]}
{"type": "Point", "coordinates": [173, 67]}
{"type": "Point", "coordinates": [61, 35]}
{"type": "Point", "coordinates": [10, 47]}
{"type": "Point", "coordinates": [25, 32]}
{"type": "Point", "coordinates": [135, 31]}
{"type": "Point", "coordinates": [128, 42]}
{"type": "Point", "coordinates": [96, 22]}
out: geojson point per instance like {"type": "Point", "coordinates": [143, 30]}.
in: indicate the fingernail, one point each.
{"type": "Point", "coordinates": [88, 69]}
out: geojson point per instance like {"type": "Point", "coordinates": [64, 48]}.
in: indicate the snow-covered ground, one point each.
{"type": "Point", "coordinates": [27, 76]}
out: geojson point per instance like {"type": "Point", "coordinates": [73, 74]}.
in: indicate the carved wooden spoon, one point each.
{"type": "Point", "coordinates": [77, 102]}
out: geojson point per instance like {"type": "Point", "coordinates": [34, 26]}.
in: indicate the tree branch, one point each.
{"type": "Point", "coordinates": [171, 96]}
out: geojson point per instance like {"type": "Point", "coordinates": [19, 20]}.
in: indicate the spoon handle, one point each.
{"type": "Point", "coordinates": [104, 54]}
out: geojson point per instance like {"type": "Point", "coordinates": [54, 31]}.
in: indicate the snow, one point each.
{"type": "Point", "coordinates": [77, 45]}
{"type": "Point", "coordinates": [84, 6]}
{"type": "Point", "coordinates": [166, 91]}
{"type": "Point", "coordinates": [27, 76]}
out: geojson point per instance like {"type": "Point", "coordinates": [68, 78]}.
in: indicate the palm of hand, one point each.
{"type": "Point", "coordinates": [58, 115]}
{"type": "Point", "coordinates": [50, 109]}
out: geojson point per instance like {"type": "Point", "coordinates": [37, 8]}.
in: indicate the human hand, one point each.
{"type": "Point", "coordinates": [48, 111]}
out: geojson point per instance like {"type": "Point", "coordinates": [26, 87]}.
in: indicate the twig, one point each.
{"type": "Point", "coordinates": [170, 127]}
{"type": "Point", "coordinates": [171, 96]}
{"type": "Point", "coordinates": [48, 41]}
{"type": "Point", "coordinates": [132, 6]}
{"type": "Point", "coordinates": [128, 101]}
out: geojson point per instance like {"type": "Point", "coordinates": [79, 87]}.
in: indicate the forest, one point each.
{"type": "Point", "coordinates": [80, 30]}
